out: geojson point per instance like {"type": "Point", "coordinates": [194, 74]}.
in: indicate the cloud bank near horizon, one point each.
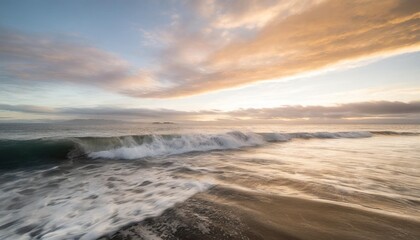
{"type": "Point", "coordinates": [223, 44]}
{"type": "Point", "coordinates": [379, 111]}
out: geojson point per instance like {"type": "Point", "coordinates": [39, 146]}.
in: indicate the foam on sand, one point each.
{"type": "Point", "coordinates": [87, 202]}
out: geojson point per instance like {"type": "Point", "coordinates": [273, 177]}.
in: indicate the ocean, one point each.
{"type": "Point", "coordinates": [82, 180]}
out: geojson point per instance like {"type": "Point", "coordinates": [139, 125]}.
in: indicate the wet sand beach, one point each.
{"type": "Point", "coordinates": [226, 213]}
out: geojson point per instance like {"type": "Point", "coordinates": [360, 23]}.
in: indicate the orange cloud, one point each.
{"type": "Point", "coordinates": [326, 34]}
{"type": "Point", "coordinates": [224, 44]}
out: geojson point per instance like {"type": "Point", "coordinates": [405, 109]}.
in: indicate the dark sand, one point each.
{"type": "Point", "coordinates": [225, 213]}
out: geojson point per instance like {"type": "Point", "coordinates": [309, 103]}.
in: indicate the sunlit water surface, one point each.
{"type": "Point", "coordinates": [69, 181]}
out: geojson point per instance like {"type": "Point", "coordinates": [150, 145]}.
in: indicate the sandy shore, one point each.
{"type": "Point", "coordinates": [225, 213]}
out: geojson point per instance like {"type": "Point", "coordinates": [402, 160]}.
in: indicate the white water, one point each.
{"type": "Point", "coordinates": [160, 145]}
{"type": "Point", "coordinates": [86, 202]}
{"type": "Point", "coordinates": [181, 144]}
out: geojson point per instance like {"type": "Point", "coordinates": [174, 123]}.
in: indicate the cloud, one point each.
{"type": "Point", "coordinates": [248, 13]}
{"type": "Point", "coordinates": [33, 57]}
{"type": "Point", "coordinates": [380, 110]}
{"type": "Point", "coordinates": [351, 110]}
{"type": "Point", "coordinates": [215, 44]}
{"type": "Point", "coordinates": [108, 112]}
{"type": "Point", "coordinates": [232, 44]}
{"type": "Point", "coordinates": [26, 109]}
{"type": "Point", "coordinates": [41, 58]}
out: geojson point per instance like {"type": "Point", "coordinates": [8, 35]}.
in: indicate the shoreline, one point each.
{"type": "Point", "coordinates": [225, 213]}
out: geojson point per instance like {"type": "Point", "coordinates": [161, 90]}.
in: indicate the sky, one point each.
{"type": "Point", "coordinates": [211, 60]}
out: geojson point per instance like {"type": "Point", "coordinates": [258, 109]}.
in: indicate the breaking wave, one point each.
{"type": "Point", "coordinates": [19, 153]}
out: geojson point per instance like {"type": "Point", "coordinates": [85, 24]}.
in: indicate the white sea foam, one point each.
{"type": "Point", "coordinates": [88, 202]}
{"type": "Point", "coordinates": [158, 145]}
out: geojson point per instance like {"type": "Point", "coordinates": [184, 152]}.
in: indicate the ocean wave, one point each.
{"type": "Point", "coordinates": [24, 153]}
{"type": "Point", "coordinates": [158, 145]}
{"type": "Point", "coordinates": [282, 137]}
{"type": "Point", "coordinates": [16, 153]}
{"type": "Point", "coordinates": [392, 133]}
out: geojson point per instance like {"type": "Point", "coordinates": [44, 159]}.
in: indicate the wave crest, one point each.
{"type": "Point", "coordinates": [176, 144]}
{"type": "Point", "coordinates": [20, 153]}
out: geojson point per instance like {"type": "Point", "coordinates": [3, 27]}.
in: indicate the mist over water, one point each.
{"type": "Point", "coordinates": [87, 181]}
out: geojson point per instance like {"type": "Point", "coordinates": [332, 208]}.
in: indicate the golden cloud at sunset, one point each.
{"type": "Point", "coordinates": [224, 44]}
{"type": "Point", "coordinates": [225, 54]}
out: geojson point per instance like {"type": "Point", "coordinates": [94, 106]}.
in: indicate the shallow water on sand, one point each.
{"type": "Point", "coordinates": [294, 182]}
